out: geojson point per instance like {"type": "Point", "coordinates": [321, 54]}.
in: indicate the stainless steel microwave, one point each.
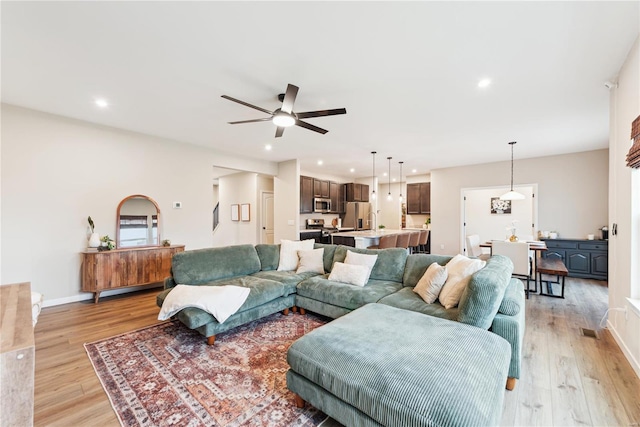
{"type": "Point", "coordinates": [321, 205]}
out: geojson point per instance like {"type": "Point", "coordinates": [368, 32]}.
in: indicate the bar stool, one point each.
{"type": "Point", "coordinates": [403, 241]}
{"type": "Point", "coordinates": [422, 242]}
{"type": "Point", "coordinates": [386, 242]}
{"type": "Point", "coordinates": [414, 238]}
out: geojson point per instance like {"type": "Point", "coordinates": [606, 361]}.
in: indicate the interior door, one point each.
{"type": "Point", "coordinates": [266, 235]}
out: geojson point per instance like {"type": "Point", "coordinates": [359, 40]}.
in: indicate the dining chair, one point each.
{"type": "Point", "coordinates": [387, 241]}
{"type": "Point", "coordinates": [518, 252]}
{"type": "Point", "coordinates": [474, 249]}
{"type": "Point", "coordinates": [414, 238]}
{"type": "Point", "coordinates": [422, 242]}
{"type": "Point", "coordinates": [403, 241]}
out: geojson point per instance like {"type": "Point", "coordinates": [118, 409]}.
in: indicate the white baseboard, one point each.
{"type": "Point", "coordinates": [625, 350]}
{"type": "Point", "coordinates": [89, 296]}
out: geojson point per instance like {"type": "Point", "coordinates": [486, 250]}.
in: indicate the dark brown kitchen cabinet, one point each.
{"type": "Point", "coordinates": [357, 192]}
{"type": "Point", "coordinates": [320, 188]}
{"type": "Point", "coordinates": [336, 194]}
{"type": "Point", "coordinates": [419, 198]}
{"type": "Point", "coordinates": [306, 194]}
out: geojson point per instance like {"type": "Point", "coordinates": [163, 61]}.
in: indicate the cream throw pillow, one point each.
{"type": "Point", "coordinates": [311, 261]}
{"type": "Point", "coordinates": [431, 283]}
{"type": "Point", "coordinates": [351, 274]}
{"type": "Point", "coordinates": [459, 270]}
{"type": "Point", "coordinates": [289, 253]}
{"type": "Point", "coordinates": [368, 261]}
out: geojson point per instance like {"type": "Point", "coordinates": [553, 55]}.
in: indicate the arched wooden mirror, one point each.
{"type": "Point", "coordinates": [137, 222]}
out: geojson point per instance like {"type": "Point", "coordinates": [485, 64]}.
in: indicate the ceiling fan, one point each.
{"type": "Point", "coordinates": [284, 116]}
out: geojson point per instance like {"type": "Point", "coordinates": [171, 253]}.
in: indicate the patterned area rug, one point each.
{"type": "Point", "coordinates": [167, 375]}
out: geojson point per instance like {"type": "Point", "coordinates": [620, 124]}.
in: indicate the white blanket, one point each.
{"type": "Point", "coordinates": [220, 301]}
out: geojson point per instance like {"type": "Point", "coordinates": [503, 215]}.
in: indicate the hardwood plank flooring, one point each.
{"type": "Point", "coordinates": [567, 378]}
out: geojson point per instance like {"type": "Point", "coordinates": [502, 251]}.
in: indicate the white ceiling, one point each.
{"type": "Point", "coordinates": [406, 72]}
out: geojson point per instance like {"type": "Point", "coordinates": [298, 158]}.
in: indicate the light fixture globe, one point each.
{"type": "Point", "coordinates": [282, 119]}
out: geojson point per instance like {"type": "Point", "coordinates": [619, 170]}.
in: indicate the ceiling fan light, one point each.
{"type": "Point", "coordinates": [283, 120]}
{"type": "Point", "coordinates": [512, 195]}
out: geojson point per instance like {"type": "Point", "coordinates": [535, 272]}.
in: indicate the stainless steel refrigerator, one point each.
{"type": "Point", "coordinates": [358, 216]}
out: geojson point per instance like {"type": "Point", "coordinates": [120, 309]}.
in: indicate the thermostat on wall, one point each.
{"type": "Point", "coordinates": [177, 205]}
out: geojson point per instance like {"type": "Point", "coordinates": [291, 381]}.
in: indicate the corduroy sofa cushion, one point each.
{"type": "Point", "coordinates": [481, 298]}
{"type": "Point", "coordinates": [417, 264]}
{"type": "Point", "coordinates": [269, 256]}
{"type": "Point", "coordinates": [389, 265]}
{"type": "Point", "coordinates": [320, 288]}
{"type": "Point", "coordinates": [201, 266]}
{"type": "Point", "coordinates": [512, 302]}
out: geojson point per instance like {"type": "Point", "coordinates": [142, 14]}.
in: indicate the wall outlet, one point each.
{"type": "Point", "coordinates": [177, 205]}
{"type": "Point", "coordinates": [442, 246]}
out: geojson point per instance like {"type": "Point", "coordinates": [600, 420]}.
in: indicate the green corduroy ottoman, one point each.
{"type": "Point", "coordinates": [384, 366]}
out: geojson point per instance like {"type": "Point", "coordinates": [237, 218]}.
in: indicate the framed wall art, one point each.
{"type": "Point", "coordinates": [245, 212]}
{"type": "Point", "coordinates": [235, 212]}
{"type": "Point", "coordinates": [500, 207]}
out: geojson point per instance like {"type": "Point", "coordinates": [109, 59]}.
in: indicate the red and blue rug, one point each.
{"type": "Point", "coordinates": [166, 374]}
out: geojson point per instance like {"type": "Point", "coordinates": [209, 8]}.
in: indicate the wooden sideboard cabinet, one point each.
{"type": "Point", "coordinates": [17, 355]}
{"type": "Point", "coordinates": [122, 268]}
{"type": "Point", "coordinates": [587, 259]}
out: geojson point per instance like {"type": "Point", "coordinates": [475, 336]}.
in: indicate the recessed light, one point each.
{"type": "Point", "coordinates": [320, 162]}
{"type": "Point", "coordinates": [384, 174]}
{"type": "Point", "coordinates": [267, 147]}
{"type": "Point", "coordinates": [393, 180]}
{"type": "Point", "coordinates": [352, 170]}
{"type": "Point", "coordinates": [414, 170]}
{"type": "Point", "coordinates": [101, 102]}
{"type": "Point", "coordinates": [484, 83]}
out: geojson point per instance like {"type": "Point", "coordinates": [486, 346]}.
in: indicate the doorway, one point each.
{"type": "Point", "coordinates": [266, 218]}
{"type": "Point", "coordinates": [479, 218]}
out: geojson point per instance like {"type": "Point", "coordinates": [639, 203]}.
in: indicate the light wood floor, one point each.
{"type": "Point", "coordinates": [567, 379]}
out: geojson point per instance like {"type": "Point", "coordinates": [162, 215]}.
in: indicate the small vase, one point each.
{"type": "Point", "coordinates": [94, 240]}
{"type": "Point", "coordinates": [513, 238]}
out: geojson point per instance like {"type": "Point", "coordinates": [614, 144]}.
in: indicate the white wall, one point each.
{"type": "Point", "coordinates": [287, 207]}
{"type": "Point", "coordinates": [237, 189]}
{"type": "Point", "coordinates": [572, 194]}
{"type": "Point", "coordinates": [624, 210]}
{"type": "Point", "coordinates": [57, 171]}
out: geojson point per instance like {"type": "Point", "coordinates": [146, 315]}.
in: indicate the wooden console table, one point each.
{"type": "Point", "coordinates": [123, 268]}
{"type": "Point", "coordinates": [17, 355]}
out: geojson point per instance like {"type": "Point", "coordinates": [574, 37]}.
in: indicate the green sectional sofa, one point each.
{"type": "Point", "coordinates": [492, 301]}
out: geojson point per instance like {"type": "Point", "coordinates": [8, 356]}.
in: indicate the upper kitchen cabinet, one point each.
{"type": "Point", "coordinates": [357, 192]}
{"type": "Point", "coordinates": [337, 196]}
{"type": "Point", "coordinates": [306, 194]}
{"type": "Point", "coordinates": [419, 198]}
{"type": "Point", "coordinates": [320, 188]}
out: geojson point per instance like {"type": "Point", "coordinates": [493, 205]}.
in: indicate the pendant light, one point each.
{"type": "Point", "coordinates": [389, 197]}
{"type": "Point", "coordinates": [373, 176]}
{"type": "Point", "coordinates": [400, 198]}
{"type": "Point", "coordinates": [512, 195]}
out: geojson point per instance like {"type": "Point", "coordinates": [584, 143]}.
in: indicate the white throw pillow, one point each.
{"type": "Point", "coordinates": [355, 258]}
{"type": "Point", "coordinates": [311, 261]}
{"type": "Point", "coordinates": [459, 269]}
{"type": "Point", "coordinates": [352, 274]}
{"type": "Point", "coordinates": [219, 301]}
{"type": "Point", "coordinates": [289, 253]}
{"type": "Point", "coordinates": [431, 283]}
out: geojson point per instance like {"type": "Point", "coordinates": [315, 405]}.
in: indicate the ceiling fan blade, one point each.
{"type": "Point", "coordinates": [247, 104]}
{"type": "Point", "coordinates": [321, 113]}
{"type": "Point", "coordinates": [267, 119]}
{"type": "Point", "coordinates": [279, 131]}
{"type": "Point", "coordinates": [289, 98]}
{"type": "Point", "coordinates": [310, 127]}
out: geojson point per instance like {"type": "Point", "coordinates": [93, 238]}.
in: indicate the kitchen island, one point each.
{"type": "Point", "coordinates": [364, 238]}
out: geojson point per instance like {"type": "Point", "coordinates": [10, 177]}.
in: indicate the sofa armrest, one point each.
{"type": "Point", "coordinates": [169, 282]}
{"type": "Point", "coordinates": [511, 328]}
